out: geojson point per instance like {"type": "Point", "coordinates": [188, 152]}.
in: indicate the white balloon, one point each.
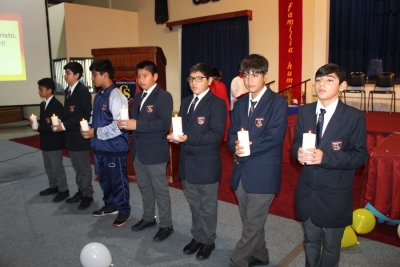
{"type": "Point", "coordinates": [95, 255]}
{"type": "Point", "coordinates": [398, 230]}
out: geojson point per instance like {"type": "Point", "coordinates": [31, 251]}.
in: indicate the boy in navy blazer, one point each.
{"type": "Point", "coordinates": [77, 106]}
{"type": "Point", "coordinates": [150, 120]}
{"type": "Point", "coordinates": [203, 122]}
{"type": "Point", "coordinates": [323, 198]}
{"type": "Point", "coordinates": [51, 143]}
{"type": "Point", "coordinates": [256, 178]}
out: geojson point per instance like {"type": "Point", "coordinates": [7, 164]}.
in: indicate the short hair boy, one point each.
{"type": "Point", "coordinates": [256, 178]}
{"type": "Point", "coordinates": [77, 106]}
{"type": "Point", "coordinates": [150, 120]}
{"type": "Point", "coordinates": [203, 119]}
{"type": "Point", "coordinates": [323, 198]}
{"type": "Point", "coordinates": [51, 143]}
{"type": "Point", "coordinates": [109, 143]}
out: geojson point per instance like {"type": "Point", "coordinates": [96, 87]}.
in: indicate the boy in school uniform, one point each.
{"type": "Point", "coordinates": [256, 178]}
{"type": "Point", "coordinates": [77, 106]}
{"type": "Point", "coordinates": [51, 143]}
{"type": "Point", "coordinates": [109, 143]}
{"type": "Point", "coordinates": [150, 120]}
{"type": "Point", "coordinates": [203, 120]}
{"type": "Point", "coordinates": [323, 198]}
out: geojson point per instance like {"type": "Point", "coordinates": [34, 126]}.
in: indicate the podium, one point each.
{"type": "Point", "coordinates": [124, 60]}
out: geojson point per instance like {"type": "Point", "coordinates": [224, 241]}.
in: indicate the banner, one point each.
{"type": "Point", "coordinates": [127, 87]}
{"type": "Point", "coordinates": [290, 45]}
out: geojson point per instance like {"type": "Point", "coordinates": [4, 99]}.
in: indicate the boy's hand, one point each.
{"type": "Point", "coordinates": [180, 139]}
{"type": "Point", "coordinates": [310, 156]}
{"type": "Point", "coordinates": [88, 134]}
{"type": "Point", "coordinates": [57, 128]}
{"type": "Point", "coordinates": [127, 124]}
{"type": "Point", "coordinates": [238, 148]}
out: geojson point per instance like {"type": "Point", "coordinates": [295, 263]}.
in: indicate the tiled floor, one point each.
{"type": "Point", "coordinates": [15, 129]}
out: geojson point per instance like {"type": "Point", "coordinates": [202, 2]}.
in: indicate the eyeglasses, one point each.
{"type": "Point", "coordinates": [198, 79]}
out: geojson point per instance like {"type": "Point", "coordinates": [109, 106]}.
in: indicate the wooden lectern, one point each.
{"type": "Point", "coordinates": [124, 60]}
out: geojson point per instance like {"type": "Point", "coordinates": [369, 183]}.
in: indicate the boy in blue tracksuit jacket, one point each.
{"type": "Point", "coordinates": [109, 143]}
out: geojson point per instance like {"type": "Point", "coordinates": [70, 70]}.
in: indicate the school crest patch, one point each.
{"type": "Point", "coordinates": [337, 145]}
{"type": "Point", "coordinates": [71, 108]}
{"type": "Point", "coordinates": [104, 107]}
{"type": "Point", "coordinates": [259, 122]}
{"type": "Point", "coordinates": [201, 120]}
{"type": "Point", "coordinates": [149, 108]}
{"type": "Point", "coordinates": [48, 120]}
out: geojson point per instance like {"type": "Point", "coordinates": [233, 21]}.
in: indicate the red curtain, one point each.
{"type": "Point", "coordinates": [290, 45]}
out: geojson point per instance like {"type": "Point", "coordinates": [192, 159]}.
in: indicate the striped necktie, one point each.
{"type": "Point", "coordinates": [320, 124]}
{"type": "Point", "coordinates": [191, 109]}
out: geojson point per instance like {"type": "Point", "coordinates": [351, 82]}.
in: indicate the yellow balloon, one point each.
{"type": "Point", "coordinates": [349, 237]}
{"type": "Point", "coordinates": [363, 221]}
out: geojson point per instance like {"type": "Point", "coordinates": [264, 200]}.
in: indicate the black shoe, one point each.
{"type": "Point", "coordinates": [141, 225]}
{"type": "Point", "coordinates": [121, 220]}
{"type": "Point", "coordinates": [85, 203]}
{"type": "Point", "coordinates": [49, 191]}
{"type": "Point", "coordinates": [163, 233]}
{"type": "Point", "coordinates": [105, 210]}
{"type": "Point", "coordinates": [256, 262]}
{"type": "Point", "coordinates": [191, 248]}
{"type": "Point", "coordinates": [76, 198]}
{"type": "Point", "coordinates": [61, 196]}
{"type": "Point", "coordinates": [205, 251]}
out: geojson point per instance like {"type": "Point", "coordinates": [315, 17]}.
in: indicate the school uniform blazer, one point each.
{"type": "Point", "coordinates": [200, 160]}
{"type": "Point", "coordinates": [77, 107]}
{"type": "Point", "coordinates": [324, 191]}
{"type": "Point", "coordinates": [50, 140]}
{"type": "Point", "coordinates": [260, 172]}
{"type": "Point", "coordinates": [150, 143]}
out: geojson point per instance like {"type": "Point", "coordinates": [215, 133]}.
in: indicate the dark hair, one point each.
{"type": "Point", "coordinates": [255, 63]}
{"type": "Point", "coordinates": [75, 67]}
{"type": "Point", "coordinates": [331, 68]}
{"type": "Point", "coordinates": [102, 66]}
{"type": "Point", "coordinates": [47, 83]}
{"type": "Point", "coordinates": [147, 65]}
{"type": "Point", "coordinates": [203, 68]}
{"type": "Point", "coordinates": [215, 72]}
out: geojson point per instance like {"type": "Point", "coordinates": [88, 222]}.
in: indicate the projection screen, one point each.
{"type": "Point", "coordinates": [24, 50]}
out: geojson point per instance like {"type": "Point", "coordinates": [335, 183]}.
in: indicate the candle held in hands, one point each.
{"type": "Point", "coordinates": [124, 113]}
{"type": "Point", "coordinates": [34, 122]}
{"type": "Point", "coordinates": [176, 126]}
{"type": "Point", "coordinates": [84, 125]}
{"type": "Point", "coordinates": [243, 137]}
{"type": "Point", "coordinates": [308, 140]}
{"type": "Point", "coordinates": [54, 120]}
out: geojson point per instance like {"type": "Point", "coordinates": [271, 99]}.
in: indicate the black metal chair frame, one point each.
{"type": "Point", "coordinates": [384, 79]}
{"type": "Point", "coordinates": [356, 79]}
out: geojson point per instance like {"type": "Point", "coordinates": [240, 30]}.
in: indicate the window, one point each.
{"type": "Point", "coordinates": [58, 73]}
{"type": "Point", "coordinates": [87, 74]}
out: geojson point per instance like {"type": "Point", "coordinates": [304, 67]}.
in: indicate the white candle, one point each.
{"type": "Point", "coordinates": [308, 140]}
{"type": "Point", "coordinates": [54, 120]}
{"type": "Point", "coordinates": [176, 126]}
{"type": "Point", "coordinates": [84, 125]}
{"type": "Point", "coordinates": [34, 122]}
{"type": "Point", "coordinates": [124, 113]}
{"type": "Point", "coordinates": [243, 137]}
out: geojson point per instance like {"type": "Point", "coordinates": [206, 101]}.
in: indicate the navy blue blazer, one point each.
{"type": "Point", "coordinates": [260, 172]}
{"type": "Point", "coordinates": [50, 140]}
{"type": "Point", "coordinates": [200, 160]}
{"type": "Point", "coordinates": [324, 191]}
{"type": "Point", "coordinates": [150, 142]}
{"type": "Point", "coordinates": [77, 107]}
